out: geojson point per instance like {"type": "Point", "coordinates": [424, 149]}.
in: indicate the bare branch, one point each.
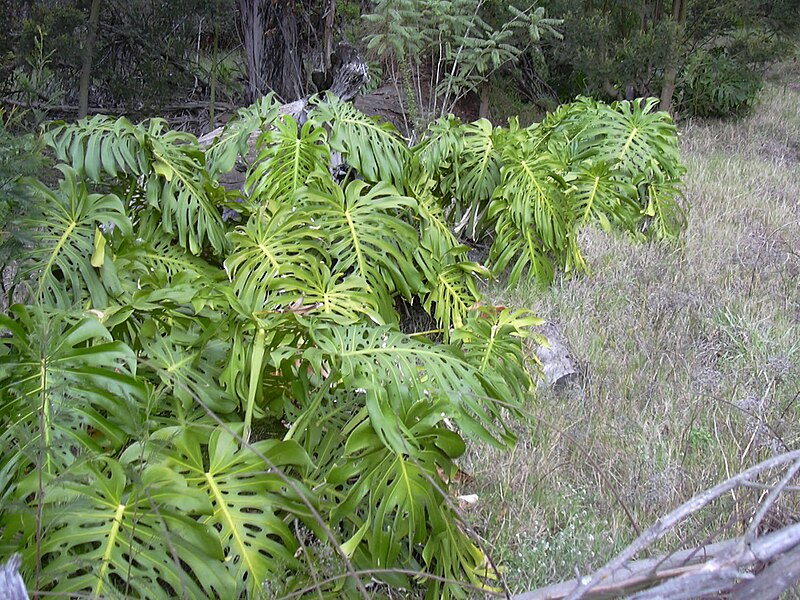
{"type": "Point", "coordinates": [668, 522]}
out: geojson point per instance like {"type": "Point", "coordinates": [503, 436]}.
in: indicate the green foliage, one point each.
{"type": "Point", "coordinates": [714, 84]}
{"type": "Point", "coordinates": [20, 157]}
{"type": "Point", "coordinates": [187, 401]}
{"type": "Point", "coordinates": [451, 47]}
{"type": "Point", "coordinates": [630, 48]}
{"type": "Point", "coordinates": [151, 52]}
{"type": "Point", "coordinates": [616, 165]}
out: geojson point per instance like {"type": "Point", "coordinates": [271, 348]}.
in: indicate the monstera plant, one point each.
{"type": "Point", "coordinates": [196, 406]}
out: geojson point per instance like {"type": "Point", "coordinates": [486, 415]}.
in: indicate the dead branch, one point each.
{"type": "Point", "coordinates": [666, 523]}
{"type": "Point", "coordinates": [724, 566]}
{"type": "Point", "coordinates": [692, 573]}
{"type": "Point", "coordinates": [96, 110]}
{"type": "Point", "coordinates": [11, 585]}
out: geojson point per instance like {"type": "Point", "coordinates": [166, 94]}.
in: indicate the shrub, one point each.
{"type": "Point", "coordinates": [714, 84]}
{"type": "Point", "coordinates": [193, 406]}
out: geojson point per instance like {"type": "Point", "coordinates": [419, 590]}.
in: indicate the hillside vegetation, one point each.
{"type": "Point", "coordinates": [689, 361]}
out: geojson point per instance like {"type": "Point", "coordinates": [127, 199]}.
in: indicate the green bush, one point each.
{"type": "Point", "coordinates": [714, 84]}
{"type": "Point", "coordinates": [191, 407]}
{"type": "Point", "coordinates": [20, 157]}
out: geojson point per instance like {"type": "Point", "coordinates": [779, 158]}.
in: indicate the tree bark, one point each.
{"type": "Point", "coordinates": [327, 34]}
{"type": "Point", "coordinates": [671, 73]}
{"type": "Point", "coordinates": [86, 67]}
{"type": "Point", "coordinates": [251, 13]}
{"type": "Point", "coordinates": [290, 82]}
{"type": "Point", "coordinates": [483, 111]}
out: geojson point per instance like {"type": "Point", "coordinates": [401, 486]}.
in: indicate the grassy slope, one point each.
{"type": "Point", "coordinates": [690, 359]}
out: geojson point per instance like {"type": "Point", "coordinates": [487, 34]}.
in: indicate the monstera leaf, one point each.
{"type": "Point", "coordinates": [165, 168]}
{"type": "Point", "coordinates": [183, 200]}
{"type": "Point", "coordinates": [596, 195]}
{"type": "Point", "coordinates": [317, 291]}
{"type": "Point", "coordinates": [533, 227]}
{"type": "Point", "coordinates": [100, 145]}
{"type": "Point", "coordinates": [372, 148]}
{"type": "Point", "coordinates": [187, 368]}
{"type": "Point", "coordinates": [113, 537]}
{"type": "Point", "coordinates": [270, 248]}
{"type": "Point", "coordinates": [633, 136]}
{"type": "Point", "coordinates": [69, 242]}
{"type": "Point", "coordinates": [453, 291]}
{"type": "Point", "coordinates": [393, 371]}
{"type": "Point", "coordinates": [394, 503]}
{"type": "Point", "coordinates": [252, 505]}
{"type": "Point", "coordinates": [234, 141]}
{"type": "Point", "coordinates": [67, 390]}
{"type": "Point", "coordinates": [491, 339]}
{"type": "Point", "coordinates": [476, 175]}
{"type": "Point", "coordinates": [367, 237]}
{"type": "Point", "coordinates": [286, 160]}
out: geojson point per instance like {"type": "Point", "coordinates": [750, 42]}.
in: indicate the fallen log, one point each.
{"type": "Point", "coordinates": [69, 109]}
{"type": "Point", "coordinates": [706, 570]}
{"type": "Point", "coordinates": [11, 585]}
{"type": "Point", "coordinates": [746, 567]}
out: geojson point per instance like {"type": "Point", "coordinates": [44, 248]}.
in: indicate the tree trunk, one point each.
{"type": "Point", "coordinates": [290, 83]}
{"type": "Point", "coordinates": [213, 75]}
{"type": "Point", "coordinates": [483, 111]}
{"type": "Point", "coordinates": [671, 73]}
{"type": "Point", "coordinates": [251, 13]}
{"type": "Point", "coordinates": [86, 67]}
{"type": "Point", "coordinates": [327, 34]}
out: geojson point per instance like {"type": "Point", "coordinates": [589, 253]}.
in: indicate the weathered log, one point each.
{"type": "Point", "coordinates": [724, 566]}
{"type": "Point", "coordinates": [385, 104]}
{"type": "Point", "coordinates": [706, 570]}
{"type": "Point", "coordinates": [555, 358]}
{"type": "Point", "coordinates": [11, 585]}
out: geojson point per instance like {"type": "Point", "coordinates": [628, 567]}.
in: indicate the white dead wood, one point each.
{"type": "Point", "coordinates": [746, 567]}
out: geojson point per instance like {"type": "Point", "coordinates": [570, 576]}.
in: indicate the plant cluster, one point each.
{"type": "Point", "coordinates": [715, 84]}
{"type": "Point", "coordinates": [441, 51]}
{"type": "Point", "coordinates": [20, 157]}
{"type": "Point", "coordinates": [199, 407]}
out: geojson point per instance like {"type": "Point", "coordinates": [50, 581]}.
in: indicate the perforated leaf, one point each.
{"type": "Point", "coordinates": [367, 237]}
{"type": "Point", "coordinates": [252, 505]}
{"type": "Point", "coordinates": [394, 501]}
{"type": "Point", "coordinates": [286, 159]}
{"type": "Point", "coordinates": [66, 390]}
{"type": "Point", "coordinates": [393, 370]}
{"type": "Point", "coordinates": [65, 235]}
{"type": "Point", "coordinates": [374, 149]}
{"type": "Point", "coordinates": [233, 143]}
{"type": "Point", "coordinates": [112, 537]}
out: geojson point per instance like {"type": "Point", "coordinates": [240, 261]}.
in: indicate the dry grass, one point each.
{"type": "Point", "coordinates": [690, 361]}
